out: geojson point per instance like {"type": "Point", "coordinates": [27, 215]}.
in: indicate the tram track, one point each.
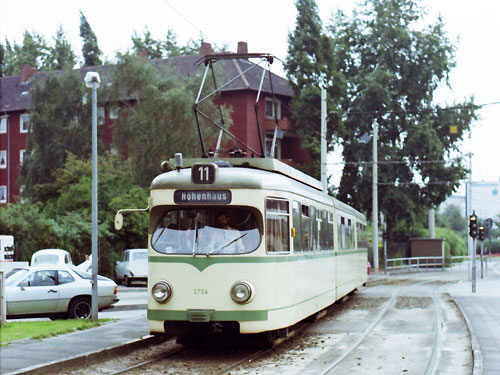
{"type": "Point", "coordinates": [435, 354]}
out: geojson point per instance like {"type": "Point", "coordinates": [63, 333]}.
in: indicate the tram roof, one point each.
{"type": "Point", "coordinates": [240, 178]}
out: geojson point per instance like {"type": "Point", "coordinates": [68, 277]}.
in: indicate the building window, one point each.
{"type": "Point", "coordinates": [24, 123]}
{"type": "Point", "coordinates": [3, 159]}
{"type": "Point", "coordinates": [113, 112]}
{"type": "Point", "coordinates": [101, 116]}
{"type": "Point", "coordinates": [273, 112]}
{"type": "Point", "coordinates": [22, 156]}
{"type": "Point", "coordinates": [277, 147]}
{"type": "Point", "coordinates": [3, 194]}
{"type": "Point", "coordinates": [3, 125]}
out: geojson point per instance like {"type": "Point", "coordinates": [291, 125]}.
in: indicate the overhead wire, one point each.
{"type": "Point", "coordinates": [185, 19]}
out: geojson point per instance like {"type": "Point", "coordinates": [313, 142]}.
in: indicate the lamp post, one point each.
{"type": "Point", "coordinates": [92, 81]}
{"type": "Point", "coordinates": [375, 197]}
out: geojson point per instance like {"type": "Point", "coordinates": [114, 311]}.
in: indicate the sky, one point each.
{"type": "Point", "coordinates": [264, 25]}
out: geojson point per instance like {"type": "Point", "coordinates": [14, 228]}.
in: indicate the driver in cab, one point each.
{"type": "Point", "coordinates": [226, 239]}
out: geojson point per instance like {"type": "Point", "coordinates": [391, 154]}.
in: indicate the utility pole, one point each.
{"type": "Point", "coordinates": [468, 210]}
{"type": "Point", "coordinates": [432, 224]}
{"type": "Point", "coordinates": [323, 140]}
{"type": "Point", "coordinates": [375, 197]}
{"type": "Point", "coordinates": [473, 232]}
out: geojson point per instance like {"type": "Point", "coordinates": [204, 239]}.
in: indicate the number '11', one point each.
{"type": "Point", "coordinates": [204, 173]}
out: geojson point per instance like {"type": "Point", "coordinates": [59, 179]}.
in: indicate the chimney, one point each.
{"type": "Point", "coordinates": [242, 48]}
{"type": "Point", "coordinates": [27, 72]}
{"type": "Point", "coordinates": [206, 49]}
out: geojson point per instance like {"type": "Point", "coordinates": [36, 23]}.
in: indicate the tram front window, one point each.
{"type": "Point", "coordinates": [207, 231]}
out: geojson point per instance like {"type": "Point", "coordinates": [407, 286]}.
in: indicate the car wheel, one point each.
{"type": "Point", "coordinates": [127, 280]}
{"type": "Point", "coordinates": [79, 308]}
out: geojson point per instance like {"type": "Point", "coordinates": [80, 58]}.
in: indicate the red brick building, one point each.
{"type": "Point", "coordinates": [240, 95]}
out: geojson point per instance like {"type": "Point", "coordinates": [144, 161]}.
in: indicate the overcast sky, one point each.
{"type": "Point", "coordinates": [265, 26]}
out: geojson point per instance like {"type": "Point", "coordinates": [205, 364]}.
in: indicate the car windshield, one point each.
{"type": "Point", "coordinates": [13, 278]}
{"type": "Point", "coordinates": [12, 272]}
{"type": "Point", "coordinates": [207, 231]}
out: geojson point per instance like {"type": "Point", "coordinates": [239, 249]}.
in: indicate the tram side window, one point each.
{"type": "Point", "coordinates": [361, 237]}
{"type": "Point", "coordinates": [314, 228]}
{"type": "Point", "coordinates": [277, 225]}
{"type": "Point", "coordinates": [323, 240]}
{"type": "Point", "coordinates": [330, 231]}
{"type": "Point", "coordinates": [306, 228]}
{"type": "Point", "coordinates": [350, 234]}
{"type": "Point", "coordinates": [341, 232]}
{"type": "Point", "coordinates": [297, 239]}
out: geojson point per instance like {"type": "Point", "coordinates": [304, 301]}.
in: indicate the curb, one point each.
{"type": "Point", "coordinates": [477, 355]}
{"type": "Point", "coordinates": [139, 306]}
{"type": "Point", "coordinates": [91, 358]}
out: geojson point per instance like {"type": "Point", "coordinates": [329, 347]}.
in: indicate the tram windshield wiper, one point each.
{"type": "Point", "coordinates": [195, 239]}
{"type": "Point", "coordinates": [216, 250]}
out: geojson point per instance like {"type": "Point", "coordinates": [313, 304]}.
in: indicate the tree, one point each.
{"type": "Point", "coordinates": [155, 114]}
{"type": "Point", "coordinates": [2, 59]}
{"type": "Point", "coordinates": [310, 66]}
{"type": "Point", "coordinates": [162, 49]}
{"type": "Point", "coordinates": [34, 52]}
{"type": "Point", "coordinates": [32, 230]}
{"type": "Point", "coordinates": [60, 123]}
{"type": "Point", "coordinates": [71, 204]}
{"type": "Point", "coordinates": [63, 218]}
{"type": "Point", "coordinates": [90, 49]}
{"type": "Point", "coordinates": [61, 55]}
{"type": "Point", "coordinates": [392, 65]}
{"type": "Point", "coordinates": [452, 218]}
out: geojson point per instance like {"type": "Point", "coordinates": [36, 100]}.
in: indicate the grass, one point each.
{"type": "Point", "coordinates": [12, 331]}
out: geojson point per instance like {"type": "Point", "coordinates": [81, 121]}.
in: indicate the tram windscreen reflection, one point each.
{"type": "Point", "coordinates": [207, 231]}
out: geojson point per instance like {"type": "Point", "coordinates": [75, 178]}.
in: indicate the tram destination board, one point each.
{"type": "Point", "coordinates": [202, 196]}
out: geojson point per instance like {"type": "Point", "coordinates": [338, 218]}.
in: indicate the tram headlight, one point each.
{"type": "Point", "coordinates": [162, 291]}
{"type": "Point", "coordinates": [242, 292]}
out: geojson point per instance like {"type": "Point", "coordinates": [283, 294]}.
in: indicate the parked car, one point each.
{"type": "Point", "coordinates": [51, 256]}
{"type": "Point", "coordinates": [132, 267]}
{"type": "Point", "coordinates": [55, 291]}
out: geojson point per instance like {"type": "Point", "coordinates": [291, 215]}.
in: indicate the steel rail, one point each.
{"type": "Point", "coordinates": [438, 326]}
{"type": "Point", "coordinates": [153, 360]}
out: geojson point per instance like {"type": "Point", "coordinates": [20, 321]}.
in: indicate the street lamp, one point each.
{"type": "Point", "coordinates": [375, 196]}
{"type": "Point", "coordinates": [92, 81]}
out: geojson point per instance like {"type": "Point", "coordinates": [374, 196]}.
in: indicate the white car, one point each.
{"type": "Point", "coordinates": [55, 291]}
{"type": "Point", "coordinates": [51, 256]}
{"type": "Point", "coordinates": [133, 266]}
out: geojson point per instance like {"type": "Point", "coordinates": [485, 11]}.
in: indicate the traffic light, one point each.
{"type": "Point", "coordinates": [481, 233]}
{"type": "Point", "coordinates": [473, 225]}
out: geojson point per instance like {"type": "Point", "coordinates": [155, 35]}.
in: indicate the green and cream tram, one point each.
{"type": "Point", "coordinates": [247, 245]}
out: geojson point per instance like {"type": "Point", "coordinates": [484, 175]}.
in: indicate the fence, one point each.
{"type": "Point", "coordinates": [415, 263]}
{"type": "Point", "coordinates": [429, 263]}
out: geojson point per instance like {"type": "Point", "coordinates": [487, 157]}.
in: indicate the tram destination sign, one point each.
{"type": "Point", "coordinates": [202, 196]}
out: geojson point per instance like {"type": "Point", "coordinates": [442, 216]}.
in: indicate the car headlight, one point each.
{"type": "Point", "coordinates": [162, 291]}
{"type": "Point", "coordinates": [242, 292]}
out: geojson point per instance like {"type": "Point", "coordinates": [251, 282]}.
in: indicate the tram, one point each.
{"type": "Point", "coordinates": [247, 245]}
